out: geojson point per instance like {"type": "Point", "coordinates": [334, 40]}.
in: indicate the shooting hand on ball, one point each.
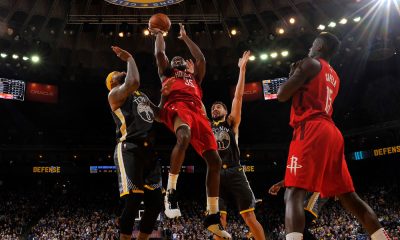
{"type": "Point", "coordinates": [155, 31]}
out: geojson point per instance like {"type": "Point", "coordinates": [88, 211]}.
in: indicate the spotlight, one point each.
{"type": "Point", "coordinates": [264, 56]}
{"type": "Point", "coordinates": [15, 56]}
{"type": "Point", "coordinates": [165, 34]}
{"type": "Point", "coordinates": [321, 27]}
{"type": "Point", "coordinates": [292, 20]}
{"type": "Point", "coordinates": [40, 156]}
{"type": "Point", "coordinates": [71, 32]}
{"type": "Point", "coordinates": [121, 34]}
{"type": "Point", "coordinates": [274, 54]}
{"type": "Point", "coordinates": [332, 24]}
{"type": "Point", "coordinates": [25, 58]}
{"type": "Point", "coordinates": [284, 53]}
{"type": "Point", "coordinates": [252, 58]}
{"type": "Point", "coordinates": [146, 32]}
{"type": "Point", "coordinates": [233, 32]}
{"type": "Point", "coordinates": [343, 21]}
{"type": "Point", "coordinates": [35, 58]}
{"type": "Point", "coordinates": [281, 30]}
{"type": "Point", "coordinates": [3, 55]}
{"type": "Point", "coordinates": [356, 19]}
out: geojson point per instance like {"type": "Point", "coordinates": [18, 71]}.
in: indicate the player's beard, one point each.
{"type": "Point", "coordinates": [218, 118]}
{"type": "Point", "coordinates": [181, 67]}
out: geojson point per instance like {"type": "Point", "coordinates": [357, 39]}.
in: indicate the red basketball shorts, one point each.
{"type": "Point", "coordinates": [316, 160]}
{"type": "Point", "coordinates": [202, 137]}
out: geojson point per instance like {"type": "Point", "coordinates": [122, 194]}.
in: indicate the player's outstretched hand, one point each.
{"type": "Point", "coordinates": [182, 32]}
{"type": "Point", "coordinates": [121, 53]}
{"type": "Point", "coordinates": [244, 59]}
{"type": "Point", "coordinates": [190, 66]}
{"type": "Point", "coordinates": [274, 189]}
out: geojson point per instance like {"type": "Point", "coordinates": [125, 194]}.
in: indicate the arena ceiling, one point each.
{"type": "Point", "coordinates": [77, 34]}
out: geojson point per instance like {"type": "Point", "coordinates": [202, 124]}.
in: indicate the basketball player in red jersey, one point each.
{"type": "Point", "coordinates": [183, 114]}
{"type": "Point", "coordinates": [316, 161]}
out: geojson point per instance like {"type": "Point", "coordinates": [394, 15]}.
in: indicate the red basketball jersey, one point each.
{"type": "Point", "coordinates": [185, 87]}
{"type": "Point", "coordinates": [315, 98]}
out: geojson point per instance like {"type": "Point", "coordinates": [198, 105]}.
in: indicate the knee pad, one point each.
{"type": "Point", "coordinates": [127, 219]}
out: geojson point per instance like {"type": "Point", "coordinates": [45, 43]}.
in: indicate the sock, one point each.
{"type": "Point", "coordinates": [294, 236]}
{"type": "Point", "coordinates": [172, 180]}
{"type": "Point", "coordinates": [380, 234]}
{"type": "Point", "coordinates": [212, 205]}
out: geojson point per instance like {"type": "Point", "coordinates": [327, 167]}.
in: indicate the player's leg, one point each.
{"type": "Point", "coordinates": [222, 205]}
{"type": "Point", "coordinates": [224, 223]}
{"type": "Point", "coordinates": [153, 203]}
{"type": "Point", "coordinates": [127, 218]}
{"type": "Point", "coordinates": [213, 162]}
{"type": "Point", "coordinates": [183, 135]}
{"type": "Point", "coordinates": [364, 213]}
{"type": "Point", "coordinates": [312, 205]}
{"type": "Point", "coordinates": [213, 220]}
{"type": "Point", "coordinates": [245, 201]}
{"type": "Point", "coordinates": [309, 219]}
{"type": "Point", "coordinates": [255, 227]}
{"type": "Point", "coordinates": [294, 212]}
{"type": "Point", "coordinates": [129, 170]}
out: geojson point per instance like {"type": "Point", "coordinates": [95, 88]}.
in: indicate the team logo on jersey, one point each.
{"type": "Point", "coordinates": [143, 109]}
{"type": "Point", "coordinates": [293, 166]}
{"type": "Point", "coordinates": [223, 138]}
{"type": "Point", "coordinates": [145, 112]}
{"type": "Point", "coordinates": [143, 3]}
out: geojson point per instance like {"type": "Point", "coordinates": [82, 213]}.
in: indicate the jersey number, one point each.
{"type": "Point", "coordinates": [221, 145]}
{"type": "Point", "coordinates": [328, 103]}
{"type": "Point", "coordinates": [189, 82]}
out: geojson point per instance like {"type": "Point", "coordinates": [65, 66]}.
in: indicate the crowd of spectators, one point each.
{"type": "Point", "coordinates": [17, 210]}
{"type": "Point", "coordinates": [80, 215]}
{"type": "Point", "coordinates": [73, 216]}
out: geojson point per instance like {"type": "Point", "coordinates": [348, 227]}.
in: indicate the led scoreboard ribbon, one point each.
{"type": "Point", "coordinates": [12, 89]}
{"type": "Point", "coordinates": [271, 87]}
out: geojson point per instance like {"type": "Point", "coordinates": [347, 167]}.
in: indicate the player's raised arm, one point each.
{"type": "Point", "coordinates": [200, 64]}
{"type": "Point", "coordinates": [300, 72]}
{"type": "Point", "coordinates": [118, 94]}
{"type": "Point", "coordinates": [236, 112]}
{"type": "Point", "coordinates": [159, 51]}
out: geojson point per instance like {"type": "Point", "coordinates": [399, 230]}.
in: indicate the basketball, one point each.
{"type": "Point", "coordinates": [160, 21]}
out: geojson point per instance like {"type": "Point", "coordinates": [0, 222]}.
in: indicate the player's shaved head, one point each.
{"type": "Point", "coordinates": [331, 43]}
{"type": "Point", "coordinates": [325, 45]}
